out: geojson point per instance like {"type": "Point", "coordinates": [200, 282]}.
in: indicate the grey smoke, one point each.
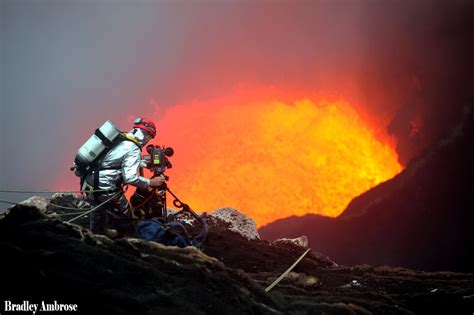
{"type": "Point", "coordinates": [66, 66]}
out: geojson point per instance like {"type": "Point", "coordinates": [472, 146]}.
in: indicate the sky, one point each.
{"type": "Point", "coordinates": [67, 66]}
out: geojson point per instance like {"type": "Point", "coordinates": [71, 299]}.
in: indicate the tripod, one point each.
{"type": "Point", "coordinates": [154, 207]}
{"type": "Point", "coordinates": [153, 204]}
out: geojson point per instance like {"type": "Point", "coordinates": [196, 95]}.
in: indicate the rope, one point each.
{"type": "Point", "coordinates": [286, 272]}
{"type": "Point", "coordinates": [51, 192]}
{"type": "Point", "coordinates": [82, 210]}
{"type": "Point", "coordinates": [54, 192]}
{"type": "Point", "coordinates": [94, 208]}
{"type": "Point", "coordinates": [53, 204]}
{"type": "Point", "coordinates": [72, 213]}
{"type": "Point", "coordinates": [10, 202]}
{"type": "Point", "coordinates": [68, 208]}
{"type": "Point", "coordinates": [22, 204]}
{"type": "Point", "coordinates": [146, 200]}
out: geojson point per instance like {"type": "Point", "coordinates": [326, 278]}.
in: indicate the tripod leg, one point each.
{"type": "Point", "coordinates": [165, 207]}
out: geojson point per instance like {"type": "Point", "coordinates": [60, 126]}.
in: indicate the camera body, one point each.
{"type": "Point", "coordinates": [157, 159]}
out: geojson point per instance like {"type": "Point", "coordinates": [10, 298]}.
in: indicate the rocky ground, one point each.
{"type": "Point", "coordinates": [44, 258]}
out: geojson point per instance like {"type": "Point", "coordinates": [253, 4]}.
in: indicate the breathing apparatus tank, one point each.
{"type": "Point", "coordinates": [102, 139]}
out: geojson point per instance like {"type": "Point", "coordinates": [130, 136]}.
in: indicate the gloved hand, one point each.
{"type": "Point", "coordinates": [157, 181]}
{"type": "Point", "coordinates": [143, 164]}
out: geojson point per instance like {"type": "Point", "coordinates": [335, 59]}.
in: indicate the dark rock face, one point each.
{"type": "Point", "coordinates": [253, 256]}
{"type": "Point", "coordinates": [46, 259]}
{"type": "Point", "coordinates": [420, 219]}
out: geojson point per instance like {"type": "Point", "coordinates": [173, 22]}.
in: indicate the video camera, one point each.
{"type": "Point", "coordinates": [157, 160]}
{"type": "Point", "coordinates": [151, 204]}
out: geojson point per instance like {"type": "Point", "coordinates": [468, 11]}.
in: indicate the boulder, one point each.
{"type": "Point", "coordinates": [238, 221]}
{"type": "Point", "coordinates": [301, 241]}
{"type": "Point", "coordinates": [35, 201]}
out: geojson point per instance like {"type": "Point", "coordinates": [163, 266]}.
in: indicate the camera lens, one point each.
{"type": "Point", "coordinates": [150, 148]}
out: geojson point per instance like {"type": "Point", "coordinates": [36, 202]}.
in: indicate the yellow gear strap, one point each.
{"type": "Point", "coordinates": [131, 138]}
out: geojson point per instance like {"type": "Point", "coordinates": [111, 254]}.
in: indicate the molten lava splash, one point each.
{"type": "Point", "coordinates": [272, 160]}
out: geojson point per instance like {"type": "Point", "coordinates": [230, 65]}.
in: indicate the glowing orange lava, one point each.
{"type": "Point", "coordinates": [271, 159]}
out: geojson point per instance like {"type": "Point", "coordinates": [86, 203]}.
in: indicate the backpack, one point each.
{"type": "Point", "coordinates": [170, 234]}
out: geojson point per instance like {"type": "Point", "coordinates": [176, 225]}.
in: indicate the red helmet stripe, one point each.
{"type": "Point", "coordinates": [148, 125]}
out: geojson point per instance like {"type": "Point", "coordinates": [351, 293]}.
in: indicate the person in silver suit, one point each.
{"type": "Point", "coordinates": [117, 168]}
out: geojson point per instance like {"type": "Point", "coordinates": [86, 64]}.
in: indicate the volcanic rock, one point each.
{"type": "Point", "coordinates": [300, 241]}
{"type": "Point", "coordinates": [252, 256]}
{"type": "Point", "coordinates": [69, 199]}
{"type": "Point", "coordinates": [68, 206]}
{"type": "Point", "coordinates": [35, 201]}
{"type": "Point", "coordinates": [239, 222]}
{"type": "Point", "coordinates": [46, 259]}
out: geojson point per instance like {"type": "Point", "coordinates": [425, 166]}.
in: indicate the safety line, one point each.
{"type": "Point", "coordinates": [87, 212]}
{"type": "Point", "coordinates": [10, 202]}
{"type": "Point", "coordinates": [53, 204]}
{"type": "Point", "coordinates": [68, 208]}
{"type": "Point", "coordinates": [52, 192]}
{"type": "Point", "coordinates": [82, 210]}
{"type": "Point", "coordinates": [72, 213]}
{"type": "Point", "coordinates": [286, 272]}
{"type": "Point", "coordinates": [146, 200]}
{"type": "Point", "coordinates": [22, 204]}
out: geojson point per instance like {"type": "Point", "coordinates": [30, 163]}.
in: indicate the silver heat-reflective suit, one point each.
{"type": "Point", "coordinates": [118, 167]}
